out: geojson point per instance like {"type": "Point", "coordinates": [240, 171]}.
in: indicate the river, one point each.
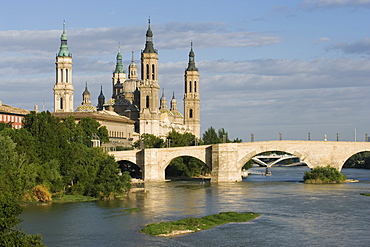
{"type": "Point", "coordinates": [292, 213]}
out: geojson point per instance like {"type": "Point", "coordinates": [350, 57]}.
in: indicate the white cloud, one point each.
{"type": "Point", "coordinates": [323, 39]}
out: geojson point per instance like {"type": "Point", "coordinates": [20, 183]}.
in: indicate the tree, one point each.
{"type": "Point", "coordinates": [210, 136]}
{"type": "Point", "coordinates": [223, 134]}
{"type": "Point", "coordinates": [176, 139]}
{"type": "Point", "coordinates": [16, 177]}
{"type": "Point", "coordinates": [187, 166]}
{"type": "Point", "coordinates": [237, 140]}
{"type": "Point", "coordinates": [149, 141]}
{"type": "Point", "coordinates": [88, 127]}
{"type": "Point", "coordinates": [49, 132]}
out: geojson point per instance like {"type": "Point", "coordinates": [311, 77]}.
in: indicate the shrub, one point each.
{"type": "Point", "coordinates": [324, 174]}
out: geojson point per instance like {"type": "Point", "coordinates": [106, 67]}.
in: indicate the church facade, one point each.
{"type": "Point", "coordinates": [135, 96]}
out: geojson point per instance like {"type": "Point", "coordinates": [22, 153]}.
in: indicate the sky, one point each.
{"type": "Point", "coordinates": [295, 67]}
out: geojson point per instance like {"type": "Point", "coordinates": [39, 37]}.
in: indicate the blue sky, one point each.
{"type": "Point", "coordinates": [267, 67]}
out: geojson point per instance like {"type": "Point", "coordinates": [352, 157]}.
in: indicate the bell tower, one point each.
{"type": "Point", "coordinates": [149, 87]}
{"type": "Point", "coordinates": [63, 88]}
{"type": "Point", "coordinates": [192, 96]}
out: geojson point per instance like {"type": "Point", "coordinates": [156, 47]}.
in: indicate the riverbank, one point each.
{"type": "Point", "coordinates": [189, 225]}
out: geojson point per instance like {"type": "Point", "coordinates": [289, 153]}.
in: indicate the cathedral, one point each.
{"type": "Point", "coordinates": [135, 103]}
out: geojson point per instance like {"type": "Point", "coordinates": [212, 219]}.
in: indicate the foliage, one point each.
{"type": "Point", "coordinates": [149, 141]}
{"type": "Point", "coordinates": [56, 155]}
{"type": "Point", "coordinates": [5, 126]}
{"type": "Point", "coordinates": [223, 136]}
{"type": "Point", "coordinates": [359, 160]}
{"type": "Point", "coordinates": [324, 174]}
{"type": "Point", "coordinates": [16, 178]}
{"type": "Point", "coordinates": [176, 139]}
{"type": "Point", "coordinates": [197, 224]}
{"type": "Point", "coordinates": [237, 140]}
{"type": "Point", "coordinates": [88, 127]}
{"type": "Point", "coordinates": [187, 166]}
{"type": "Point", "coordinates": [63, 198]}
{"type": "Point", "coordinates": [210, 137]}
{"type": "Point", "coordinates": [41, 193]}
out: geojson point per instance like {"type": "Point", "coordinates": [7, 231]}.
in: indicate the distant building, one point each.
{"type": "Point", "coordinates": [12, 114]}
{"type": "Point", "coordinates": [133, 99]}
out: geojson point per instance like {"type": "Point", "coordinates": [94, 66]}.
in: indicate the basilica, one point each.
{"type": "Point", "coordinates": [135, 106]}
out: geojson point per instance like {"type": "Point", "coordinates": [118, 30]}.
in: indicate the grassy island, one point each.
{"type": "Point", "coordinates": [324, 175]}
{"type": "Point", "coordinates": [171, 228]}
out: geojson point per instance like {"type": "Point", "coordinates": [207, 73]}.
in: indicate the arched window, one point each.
{"type": "Point", "coordinates": [191, 113]}
{"type": "Point", "coordinates": [66, 75]}
{"type": "Point", "coordinates": [189, 86]}
{"type": "Point", "coordinates": [147, 102]}
{"type": "Point", "coordinates": [147, 71]}
{"type": "Point", "coordinates": [61, 103]}
{"type": "Point", "coordinates": [61, 75]}
{"type": "Point", "coordinates": [195, 86]}
{"type": "Point", "coordinates": [153, 72]}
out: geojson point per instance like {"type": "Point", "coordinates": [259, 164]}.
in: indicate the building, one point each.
{"type": "Point", "coordinates": [10, 114]}
{"type": "Point", "coordinates": [133, 98]}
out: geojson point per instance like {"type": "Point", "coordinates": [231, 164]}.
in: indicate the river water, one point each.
{"type": "Point", "coordinates": [292, 213]}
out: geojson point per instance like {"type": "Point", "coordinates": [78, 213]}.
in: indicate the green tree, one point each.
{"type": "Point", "coordinates": [222, 133]}
{"type": "Point", "coordinates": [187, 166]}
{"type": "Point", "coordinates": [149, 141]}
{"type": "Point", "coordinates": [16, 177]}
{"type": "Point", "coordinates": [210, 137]}
{"type": "Point", "coordinates": [176, 139]}
{"type": "Point", "coordinates": [5, 126]}
{"type": "Point", "coordinates": [237, 140]}
{"type": "Point", "coordinates": [49, 133]}
{"type": "Point", "coordinates": [89, 127]}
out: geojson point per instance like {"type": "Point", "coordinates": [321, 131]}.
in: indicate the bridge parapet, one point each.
{"type": "Point", "coordinates": [226, 160]}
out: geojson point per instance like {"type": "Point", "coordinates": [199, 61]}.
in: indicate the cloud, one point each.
{"type": "Point", "coordinates": [336, 3]}
{"type": "Point", "coordinates": [361, 47]}
{"type": "Point", "coordinates": [268, 96]}
{"type": "Point", "coordinates": [322, 39]}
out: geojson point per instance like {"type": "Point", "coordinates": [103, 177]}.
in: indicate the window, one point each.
{"type": "Point", "coordinates": [147, 102]}
{"type": "Point", "coordinates": [61, 75]}
{"type": "Point", "coordinates": [189, 86]}
{"type": "Point", "coordinates": [191, 113]}
{"type": "Point", "coordinates": [153, 74]}
{"type": "Point", "coordinates": [61, 103]}
{"type": "Point", "coordinates": [66, 75]}
{"type": "Point", "coordinates": [195, 86]}
{"type": "Point", "coordinates": [147, 71]}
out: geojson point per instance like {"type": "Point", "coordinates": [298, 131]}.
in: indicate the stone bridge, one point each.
{"type": "Point", "coordinates": [226, 160]}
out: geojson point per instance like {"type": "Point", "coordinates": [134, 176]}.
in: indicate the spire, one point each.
{"type": "Point", "coordinates": [191, 64]}
{"type": "Point", "coordinates": [173, 103]}
{"type": "Point", "coordinates": [163, 101]}
{"type": "Point", "coordinates": [86, 92]}
{"type": "Point", "coordinates": [86, 96]}
{"type": "Point", "coordinates": [149, 47]}
{"type": "Point", "coordinates": [132, 68]}
{"type": "Point", "coordinates": [63, 51]}
{"type": "Point", "coordinates": [119, 66]}
{"type": "Point", "coordinates": [101, 95]}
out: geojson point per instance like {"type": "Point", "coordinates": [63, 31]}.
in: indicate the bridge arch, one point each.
{"type": "Point", "coordinates": [187, 166]}
{"type": "Point", "coordinates": [249, 155]}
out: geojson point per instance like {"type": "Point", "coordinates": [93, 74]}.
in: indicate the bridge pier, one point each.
{"type": "Point", "coordinates": [224, 164]}
{"type": "Point", "coordinates": [152, 170]}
